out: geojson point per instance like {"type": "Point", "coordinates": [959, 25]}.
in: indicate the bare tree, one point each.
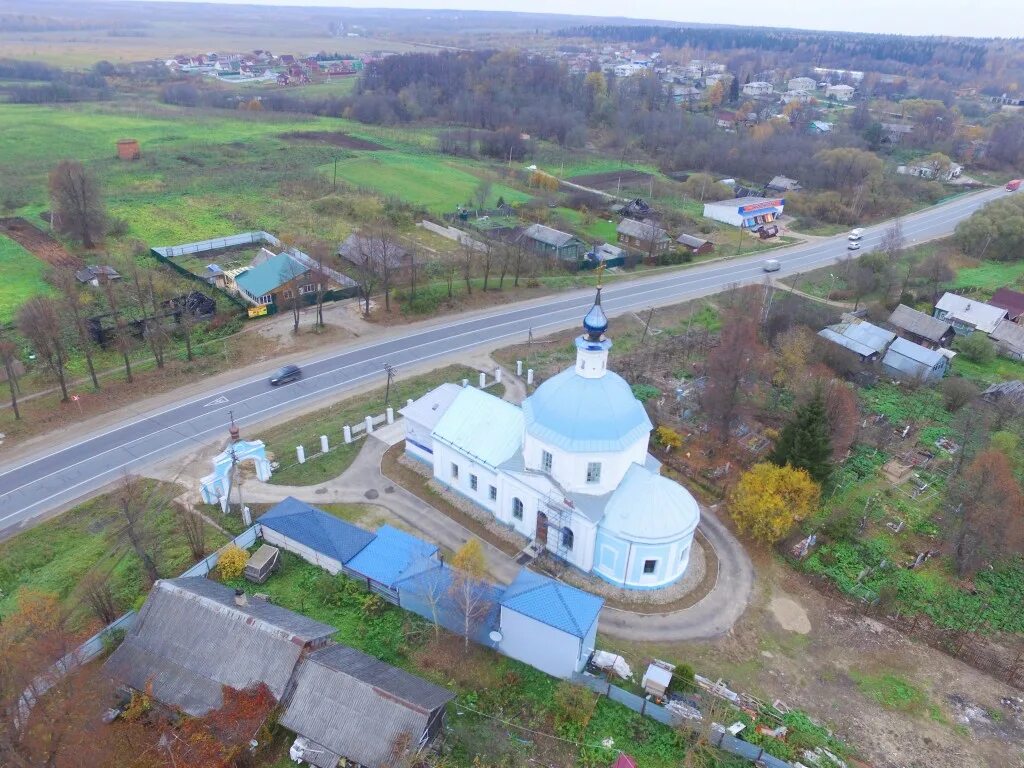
{"type": "Point", "coordinates": [97, 594]}
{"type": "Point", "coordinates": [122, 335]}
{"type": "Point", "coordinates": [153, 330]}
{"type": "Point", "coordinates": [193, 527]}
{"type": "Point", "coordinates": [734, 368]}
{"type": "Point", "coordinates": [377, 258]}
{"type": "Point", "coordinates": [39, 321]}
{"type": "Point", "coordinates": [134, 508]}
{"type": "Point", "coordinates": [488, 260]}
{"type": "Point", "coordinates": [9, 356]}
{"type": "Point", "coordinates": [467, 590]}
{"type": "Point", "coordinates": [77, 203]}
{"type": "Point", "coordinates": [66, 282]}
{"type": "Point", "coordinates": [468, 260]}
{"type": "Point", "coordinates": [990, 523]}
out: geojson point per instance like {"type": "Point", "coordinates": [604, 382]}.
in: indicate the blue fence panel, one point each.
{"type": "Point", "coordinates": [244, 540]}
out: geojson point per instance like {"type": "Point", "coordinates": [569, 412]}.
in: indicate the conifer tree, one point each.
{"type": "Point", "coordinates": [805, 443]}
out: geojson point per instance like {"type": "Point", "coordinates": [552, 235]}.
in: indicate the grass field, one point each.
{"type": "Point", "coordinates": [54, 556]}
{"type": "Point", "coordinates": [21, 277]}
{"type": "Point", "coordinates": [990, 275]}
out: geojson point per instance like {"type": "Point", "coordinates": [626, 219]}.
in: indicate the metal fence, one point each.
{"type": "Point", "coordinates": [216, 244]}
{"type": "Point", "coordinates": [720, 739]}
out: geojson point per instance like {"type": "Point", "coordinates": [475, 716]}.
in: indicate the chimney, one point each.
{"type": "Point", "coordinates": [240, 599]}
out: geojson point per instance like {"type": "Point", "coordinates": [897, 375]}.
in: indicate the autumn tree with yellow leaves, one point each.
{"type": "Point", "coordinates": [769, 500]}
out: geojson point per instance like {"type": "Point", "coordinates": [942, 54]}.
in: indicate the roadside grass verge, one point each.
{"type": "Point", "coordinates": [21, 278]}
{"type": "Point", "coordinates": [306, 430]}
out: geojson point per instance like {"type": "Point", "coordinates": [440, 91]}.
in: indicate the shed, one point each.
{"type": "Point", "coordinates": [387, 558]}
{"type": "Point", "coordinates": [658, 678]}
{"type": "Point", "coordinates": [968, 315]}
{"type": "Point", "coordinates": [193, 637]}
{"type": "Point", "coordinates": [421, 416]}
{"type": "Point", "coordinates": [863, 338]}
{"type": "Point", "coordinates": [1010, 300]}
{"type": "Point", "coordinates": [1009, 338]}
{"type": "Point", "coordinates": [906, 359]}
{"type": "Point", "coordinates": [695, 245]}
{"type": "Point", "coordinates": [920, 327]}
{"type": "Point", "coordinates": [312, 534]}
{"type": "Point", "coordinates": [783, 184]}
{"type": "Point", "coordinates": [1011, 392]}
{"type": "Point", "coordinates": [263, 562]}
{"type": "Point", "coordinates": [97, 274]}
{"type": "Point", "coordinates": [547, 624]}
{"type": "Point", "coordinates": [354, 706]}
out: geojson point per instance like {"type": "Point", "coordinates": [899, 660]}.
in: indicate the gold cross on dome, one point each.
{"type": "Point", "coordinates": [600, 273]}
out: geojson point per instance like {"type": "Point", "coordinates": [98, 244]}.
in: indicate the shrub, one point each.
{"type": "Point", "coordinates": [977, 348]}
{"type": "Point", "coordinates": [957, 392]}
{"type": "Point", "coordinates": [645, 392]}
{"type": "Point", "coordinates": [231, 562]}
{"type": "Point", "coordinates": [573, 708]}
{"type": "Point", "coordinates": [667, 438]}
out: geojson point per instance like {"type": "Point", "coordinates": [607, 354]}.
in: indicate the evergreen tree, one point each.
{"type": "Point", "coordinates": [734, 90]}
{"type": "Point", "coordinates": [805, 443]}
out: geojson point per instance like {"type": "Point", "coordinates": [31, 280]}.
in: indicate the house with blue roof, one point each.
{"type": "Point", "coordinates": [570, 470]}
{"type": "Point", "coordinates": [547, 624]}
{"type": "Point", "coordinates": [314, 535]}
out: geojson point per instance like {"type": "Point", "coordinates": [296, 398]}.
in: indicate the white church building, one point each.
{"type": "Point", "coordinates": [569, 470]}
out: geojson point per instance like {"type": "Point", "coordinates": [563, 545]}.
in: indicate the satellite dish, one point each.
{"type": "Point", "coordinates": [495, 636]}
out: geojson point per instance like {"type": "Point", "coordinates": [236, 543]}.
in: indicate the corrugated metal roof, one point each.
{"type": "Point", "coordinates": [270, 275]}
{"type": "Point", "coordinates": [547, 235]}
{"type": "Point", "coordinates": [863, 338]}
{"type": "Point", "coordinates": [429, 409]}
{"type": "Point", "coordinates": [553, 603]}
{"type": "Point", "coordinates": [581, 414]}
{"type": "Point", "coordinates": [191, 639]}
{"type": "Point", "coordinates": [906, 357]}
{"type": "Point", "coordinates": [316, 529]}
{"type": "Point", "coordinates": [641, 230]}
{"type": "Point", "coordinates": [360, 707]}
{"type": "Point", "coordinates": [919, 323]}
{"type": "Point", "coordinates": [648, 507]}
{"type": "Point", "coordinates": [390, 554]}
{"type": "Point", "coordinates": [482, 426]}
{"type": "Point", "coordinates": [982, 316]}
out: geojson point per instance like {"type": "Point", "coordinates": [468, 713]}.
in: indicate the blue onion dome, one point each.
{"type": "Point", "coordinates": [596, 322]}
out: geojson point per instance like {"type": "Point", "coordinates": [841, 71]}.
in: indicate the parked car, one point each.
{"type": "Point", "coordinates": [772, 265]}
{"type": "Point", "coordinates": [853, 245]}
{"type": "Point", "coordinates": [286, 374]}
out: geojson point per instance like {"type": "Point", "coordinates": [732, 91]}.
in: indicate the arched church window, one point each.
{"type": "Point", "coordinates": [567, 538]}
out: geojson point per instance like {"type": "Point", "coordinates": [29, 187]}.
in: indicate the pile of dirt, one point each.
{"type": "Point", "coordinates": [334, 138]}
{"type": "Point", "coordinates": [38, 243]}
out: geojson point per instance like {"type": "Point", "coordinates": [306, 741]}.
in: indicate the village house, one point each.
{"type": "Point", "coordinates": [921, 328]}
{"type": "Point", "coordinates": [864, 339]}
{"type": "Point", "coordinates": [546, 241]}
{"type": "Point", "coordinates": [569, 470]}
{"type": "Point", "coordinates": [695, 245]}
{"type": "Point", "coordinates": [276, 280]}
{"type": "Point", "coordinates": [802, 84]}
{"type": "Point", "coordinates": [644, 236]}
{"type": "Point", "coordinates": [758, 89]}
{"type": "Point", "coordinates": [1010, 300]}
{"type": "Point", "coordinates": [967, 315]}
{"type": "Point", "coordinates": [797, 97]}
{"type": "Point", "coordinates": [783, 184]}
{"type": "Point", "coordinates": [905, 359]}
{"type": "Point", "coordinates": [893, 133]}
{"type": "Point", "coordinates": [931, 171]}
{"type": "Point", "coordinates": [841, 92]}
{"type": "Point", "coordinates": [1009, 339]}
{"type": "Point", "coordinates": [819, 127]}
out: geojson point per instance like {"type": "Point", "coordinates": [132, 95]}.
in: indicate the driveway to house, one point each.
{"type": "Point", "coordinates": [54, 472]}
{"type": "Point", "coordinates": [363, 483]}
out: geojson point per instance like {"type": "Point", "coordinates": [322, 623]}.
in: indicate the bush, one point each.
{"type": "Point", "coordinates": [957, 392]}
{"type": "Point", "coordinates": [977, 348]}
{"type": "Point", "coordinates": [645, 392]}
{"type": "Point", "coordinates": [573, 708]}
{"type": "Point", "coordinates": [231, 562]}
{"type": "Point", "coordinates": [667, 438]}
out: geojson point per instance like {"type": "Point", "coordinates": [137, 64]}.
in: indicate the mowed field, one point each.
{"type": "Point", "coordinates": [21, 276]}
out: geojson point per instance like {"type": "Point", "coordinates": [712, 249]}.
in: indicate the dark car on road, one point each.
{"type": "Point", "coordinates": [286, 374]}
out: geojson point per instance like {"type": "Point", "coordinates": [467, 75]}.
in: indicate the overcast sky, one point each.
{"type": "Point", "coordinates": [985, 18]}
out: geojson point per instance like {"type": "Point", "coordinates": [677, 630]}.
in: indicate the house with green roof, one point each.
{"type": "Point", "coordinates": [276, 280]}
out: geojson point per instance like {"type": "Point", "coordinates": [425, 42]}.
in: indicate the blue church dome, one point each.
{"type": "Point", "coordinates": [581, 414]}
{"type": "Point", "coordinates": [596, 322]}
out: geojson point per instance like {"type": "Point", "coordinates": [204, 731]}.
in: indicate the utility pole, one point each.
{"type": "Point", "coordinates": [647, 325]}
{"type": "Point", "coordinates": [390, 371]}
{"type": "Point", "coordinates": [335, 184]}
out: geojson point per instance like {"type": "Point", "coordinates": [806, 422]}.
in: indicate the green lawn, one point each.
{"type": "Point", "coordinates": [990, 275]}
{"type": "Point", "coordinates": [435, 182]}
{"type": "Point", "coordinates": [21, 277]}
{"type": "Point", "coordinates": [55, 555]}
{"type": "Point", "coordinates": [306, 430]}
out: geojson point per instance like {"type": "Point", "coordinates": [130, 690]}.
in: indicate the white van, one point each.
{"type": "Point", "coordinates": [772, 265]}
{"type": "Point", "coordinates": [855, 235]}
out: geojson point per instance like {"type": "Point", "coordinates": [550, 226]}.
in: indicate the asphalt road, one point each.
{"type": "Point", "coordinates": [72, 471]}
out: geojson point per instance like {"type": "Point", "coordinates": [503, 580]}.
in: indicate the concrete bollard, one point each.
{"type": "Point", "coordinates": [348, 434]}
{"type": "Point", "coordinates": [300, 452]}
{"type": "Point", "coordinates": [529, 376]}
{"type": "Point", "coordinates": [497, 375]}
{"type": "Point", "coordinates": [483, 380]}
{"type": "Point", "coordinates": [369, 424]}
{"type": "Point", "coordinates": [390, 413]}
{"type": "Point", "coordinates": [519, 367]}
{"type": "Point", "coordinates": [465, 383]}
{"type": "Point", "coordinates": [324, 445]}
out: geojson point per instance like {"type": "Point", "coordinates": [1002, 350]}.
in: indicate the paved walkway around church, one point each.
{"type": "Point", "coordinates": [712, 616]}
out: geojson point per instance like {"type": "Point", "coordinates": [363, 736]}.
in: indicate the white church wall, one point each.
{"type": "Point", "coordinates": [623, 563]}
{"type": "Point", "coordinates": [570, 469]}
{"type": "Point", "coordinates": [445, 456]}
